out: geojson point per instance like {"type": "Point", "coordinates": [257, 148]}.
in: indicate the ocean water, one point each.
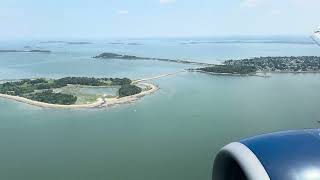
{"type": "Point", "coordinates": [173, 134]}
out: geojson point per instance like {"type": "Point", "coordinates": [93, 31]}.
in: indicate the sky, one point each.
{"type": "Point", "coordinates": [30, 19]}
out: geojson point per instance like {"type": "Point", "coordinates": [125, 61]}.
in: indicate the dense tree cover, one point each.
{"type": "Point", "coordinates": [48, 96]}
{"type": "Point", "coordinates": [117, 81]}
{"type": "Point", "coordinates": [14, 88]}
{"type": "Point", "coordinates": [128, 90]}
{"type": "Point", "coordinates": [92, 81]}
{"type": "Point", "coordinates": [26, 86]}
{"type": "Point", "coordinates": [31, 88]}
{"type": "Point", "coordinates": [292, 63]}
{"type": "Point", "coordinates": [79, 81]}
{"type": "Point", "coordinates": [229, 69]}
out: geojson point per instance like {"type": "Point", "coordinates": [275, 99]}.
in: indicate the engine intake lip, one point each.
{"type": "Point", "coordinates": [239, 159]}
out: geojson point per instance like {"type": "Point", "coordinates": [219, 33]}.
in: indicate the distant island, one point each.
{"type": "Point", "coordinates": [122, 43]}
{"type": "Point", "coordinates": [78, 43]}
{"type": "Point", "coordinates": [49, 92]}
{"type": "Point", "coordinates": [115, 43]}
{"type": "Point", "coordinates": [292, 64]}
{"type": "Point", "coordinates": [25, 51]}
{"type": "Point", "coordinates": [134, 44]}
{"type": "Point", "coordinates": [66, 42]}
{"type": "Point", "coordinates": [248, 42]}
{"type": "Point", "coordinates": [131, 57]}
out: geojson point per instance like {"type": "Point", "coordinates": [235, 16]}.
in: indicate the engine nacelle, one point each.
{"type": "Point", "coordinates": [290, 155]}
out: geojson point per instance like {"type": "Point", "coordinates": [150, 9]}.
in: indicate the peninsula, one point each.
{"type": "Point", "coordinates": [292, 64]}
{"type": "Point", "coordinates": [131, 57]}
{"type": "Point", "coordinates": [60, 93]}
{"type": "Point", "coordinates": [280, 64]}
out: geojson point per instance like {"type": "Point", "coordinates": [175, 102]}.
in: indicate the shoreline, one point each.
{"type": "Point", "coordinates": [228, 74]}
{"type": "Point", "coordinates": [129, 99]}
{"type": "Point", "coordinates": [257, 74]}
{"type": "Point", "coordinates": [100, 103]}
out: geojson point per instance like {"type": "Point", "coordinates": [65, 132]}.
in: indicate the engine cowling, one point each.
{"type": "Point", "coordinates": [290, 155]}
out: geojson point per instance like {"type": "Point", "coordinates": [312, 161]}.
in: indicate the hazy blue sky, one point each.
{"type": "Point", "coordinates": [160, 18]}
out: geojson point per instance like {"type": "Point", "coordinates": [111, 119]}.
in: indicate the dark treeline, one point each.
{"type": "Point", "coordinates": [128, 90]}
{"type": "Point", "coordinates": [92, 81]}
{"type": "Point", "coordinates": [48, 96]}
{"type": "Point", "coordinates": [79, 81]}
{"type": "Point", "coordinates": [229, 69]}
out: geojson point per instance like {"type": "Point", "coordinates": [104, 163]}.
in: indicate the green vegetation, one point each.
{"type": "Point", "coordinates": [267, 64]}
{"type": "Point", "coordinates": [280, 64]}
{"type": "Point", "coordinates": [42, 89]}
{"type": "Point", "coordinates": [116, 81]}
{"type": "Point", "coordinates": [130, 57]}
{"type": "Point", "coordinates": [92, 81]}
{"type": "Point", "coordinates": [128, 90]}
{"type": "Point", "coordinates": [229, 69]}
{"type": "Point", "coordinates": [117, 56]}
{"type": "Point", "coordinates": [48, 96]}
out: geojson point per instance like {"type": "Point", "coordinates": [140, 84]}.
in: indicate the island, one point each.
{"type": "Point", "coordinates": [292, 64]}
{"type": "Point", "coordinates": [108, 55]}
{"type": "Point", "coordinates": [79, 43]}
{"type": "Point", "coordinates": [66, 42]}
{"type": "Point", "coordinates": [134, 44]}
{"type": "Point", "coordinates": [25, 51]}
{"type": "Point", "coordinates": [280, 64]}
{"type": "Point", "coordinates": [64, 92]}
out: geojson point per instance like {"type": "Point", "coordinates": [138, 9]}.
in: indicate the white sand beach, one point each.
{"type": "Point", "coordinates": [101, 102]}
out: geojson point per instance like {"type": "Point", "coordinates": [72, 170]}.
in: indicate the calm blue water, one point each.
{"type": "Point", "coordinates": [173, 134]}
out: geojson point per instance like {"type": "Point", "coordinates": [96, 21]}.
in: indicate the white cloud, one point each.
{"type": "Point", "coordinates": [123, 12]}
{"type": "Point", "coordinates": [167, 1]}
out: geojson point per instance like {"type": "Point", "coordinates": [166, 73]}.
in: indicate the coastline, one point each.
{"type": "Point", "coordinates": [228, 74]}
{"type": "Point", "coordinates": [264, 74]}
{"type": "Point", "coordinates": [101, 102]}
{"type": "Point", "coordinates": [129, 99]}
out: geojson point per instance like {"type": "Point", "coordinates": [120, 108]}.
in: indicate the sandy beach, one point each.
{"type": "Point", "coordinates": [114, 101]}
{"type": "Point", "coordinates": [101, 102]}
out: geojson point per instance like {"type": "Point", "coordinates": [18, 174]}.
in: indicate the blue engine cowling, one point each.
{"type": "Point", "coordinates": [290, 155]}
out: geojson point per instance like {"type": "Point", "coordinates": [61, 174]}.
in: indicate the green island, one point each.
{"type": "Point", "coordinates": [131, 57]}
{"type": "Point", "coordinates": [292, 64]}
{"type": "Point", "coordinates": [24, 51]}
{"type": "Point", "coordinates": [280, 64]}
{"type": "Point", "coordinates": [60, 91]}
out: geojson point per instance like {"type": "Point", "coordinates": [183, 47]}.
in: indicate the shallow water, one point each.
{"type": "Point", "coordinates": [172, 134]}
